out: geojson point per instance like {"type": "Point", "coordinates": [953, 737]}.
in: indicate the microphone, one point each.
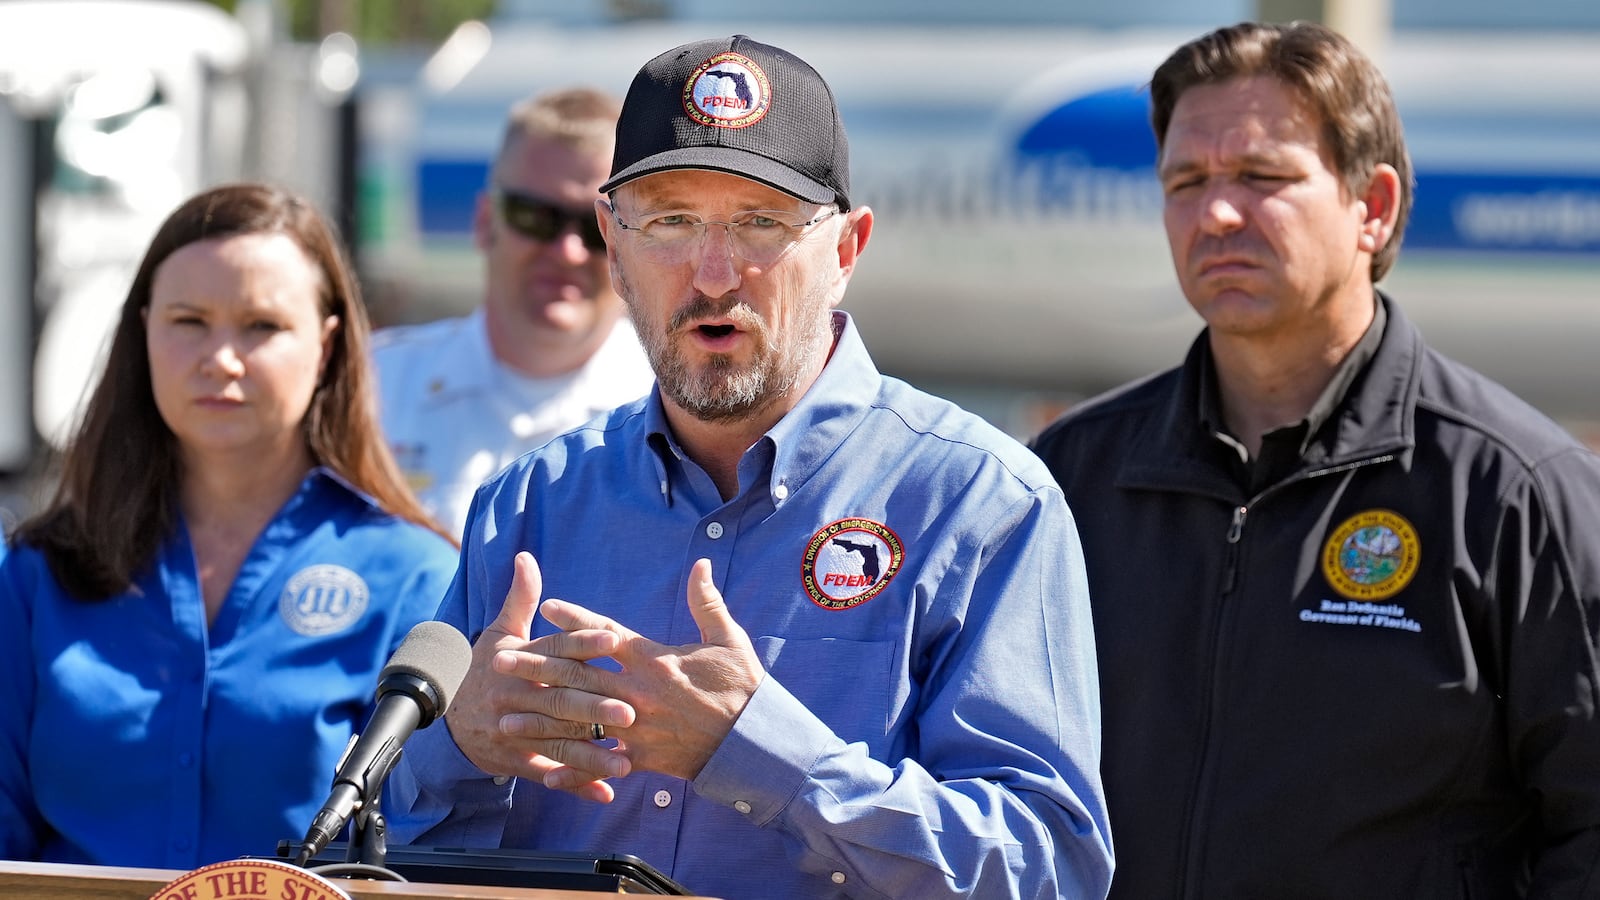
{"type": "Point", "coordinates": [414, 689]}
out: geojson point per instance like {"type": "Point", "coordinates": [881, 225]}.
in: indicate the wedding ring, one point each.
{"type": "Point", "coordinates": [598, 730]}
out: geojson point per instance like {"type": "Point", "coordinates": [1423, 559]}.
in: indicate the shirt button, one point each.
{"type": "Point", "coordinates": [501, 779]}
{"type": "Point", "coordinates": [837, 877]}
{"type": "Point", "coordinates": [663, 799]}
{"type": "Point", "coordinates": [714, 530]}
{"type": "Point", "coordinates": [781, 491]}
{"type": "Point", "coordinates": [185, 759]}
{"type": "Point", "coordinates": [180, 844]}
{"type": "Point", "coordinates": [742, 807]}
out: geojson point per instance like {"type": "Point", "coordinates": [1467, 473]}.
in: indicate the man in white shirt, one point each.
{"type": "Point", "coordinates": [551, 345]}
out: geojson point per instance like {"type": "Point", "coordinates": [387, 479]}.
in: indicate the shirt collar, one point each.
{"type": "Point", "coordinates": [804, 438]}
{"type": "Point", "coordinates": [322, 478]}
{"type": "Point", "coordinates": [321, 491]}
{"type": "Point", "coordinates": [465, 362]}
{"type": "Point", "coordinates": [1327, 403]}
{"type": "Point", "coordinates": [1375, 417]}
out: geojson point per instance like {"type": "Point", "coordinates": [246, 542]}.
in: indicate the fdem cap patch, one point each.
{"type": "Point", "coordinates": [727, 91]}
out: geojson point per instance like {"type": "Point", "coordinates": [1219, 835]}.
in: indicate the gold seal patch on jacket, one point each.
{"type": "Point", "coordinates": [1372, 555]}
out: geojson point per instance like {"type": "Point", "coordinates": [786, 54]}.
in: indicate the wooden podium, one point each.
{"type": "Point", "coordinates": [54, 881]}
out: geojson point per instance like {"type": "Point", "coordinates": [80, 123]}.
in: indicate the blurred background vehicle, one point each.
{"type": "Point", "coordinates": [1020, 264]}
{"type": "Point", "coordinates": [111, 113]}
{"type": "Point", "coordinates": [119, 111]}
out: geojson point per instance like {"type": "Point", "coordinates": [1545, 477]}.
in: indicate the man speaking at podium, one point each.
{"type": "Point", "coordinates": [819, 634]}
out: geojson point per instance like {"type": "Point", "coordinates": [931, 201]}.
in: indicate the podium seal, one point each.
{"type": "Point", "coordinates": [250, 879]}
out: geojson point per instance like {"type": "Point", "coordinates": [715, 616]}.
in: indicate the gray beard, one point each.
{"type": "Point", "coordinates": [720, 391]}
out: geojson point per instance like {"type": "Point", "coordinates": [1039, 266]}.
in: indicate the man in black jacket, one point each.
{"type": "Point", "coordinates": [1346, 592]}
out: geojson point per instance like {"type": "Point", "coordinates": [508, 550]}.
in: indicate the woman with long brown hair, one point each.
{"type": "Point", "coordinates": [196, 620]}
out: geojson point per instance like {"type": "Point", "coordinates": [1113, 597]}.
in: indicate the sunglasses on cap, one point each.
{"type": "Point", "coordinates": [541, 221]}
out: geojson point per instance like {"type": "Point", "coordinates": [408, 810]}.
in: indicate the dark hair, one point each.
{"type": "Point", "coordinates": [1341, 84]}
{"type": "Point", "coordinates": [117, 498]}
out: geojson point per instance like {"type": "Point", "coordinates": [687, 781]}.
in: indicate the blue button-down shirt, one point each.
{"type": "Point", "coordinates": [136, 734]}
{"type": "Point", "coordinates": [913, 583]}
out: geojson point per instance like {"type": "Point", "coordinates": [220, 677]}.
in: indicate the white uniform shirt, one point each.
{"type": "Point", "coordinates": [454, 415]}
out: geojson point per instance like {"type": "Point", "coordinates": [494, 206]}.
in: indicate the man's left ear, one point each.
{"type": "Point", "coordinates": [1380, 208]}
{"type": "Point", "coordinates": [853, 238]}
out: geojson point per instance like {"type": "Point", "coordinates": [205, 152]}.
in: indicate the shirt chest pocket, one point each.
{"type": "Point", "coordinates": [847, 684]}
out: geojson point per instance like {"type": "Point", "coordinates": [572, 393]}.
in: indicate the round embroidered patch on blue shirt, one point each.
{"type": "Point", "coordinates": [323, 599]}
{"type": "Point", "coordinates": [849, 562]}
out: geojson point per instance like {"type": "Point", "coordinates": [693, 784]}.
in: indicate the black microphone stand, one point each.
{"type": "Point", "coordinates": [366, 855]}
{"type": "Point", "coordinates": [369, 834]}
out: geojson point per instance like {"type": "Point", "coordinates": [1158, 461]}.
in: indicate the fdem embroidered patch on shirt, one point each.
{"type": "Point", "coordinates": [849, 562]}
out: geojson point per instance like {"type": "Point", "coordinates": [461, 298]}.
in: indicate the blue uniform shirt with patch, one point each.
{"type": "Point", "coordinates": [912, 580]}
{"type": "Point", "coordinates": [134, 735]}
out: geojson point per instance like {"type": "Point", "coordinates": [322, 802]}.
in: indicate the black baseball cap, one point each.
{"type": "Point", "coordinates": [739, 106]}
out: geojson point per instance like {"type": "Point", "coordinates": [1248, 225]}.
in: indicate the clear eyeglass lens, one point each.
{"type": "Point", "coordinates": [758, 236]}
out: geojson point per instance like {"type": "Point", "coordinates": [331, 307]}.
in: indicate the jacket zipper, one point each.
{"type": "Point", "coordinates": [1191, 852]}
{"type": "Point", "coordinates": [1235, 531]}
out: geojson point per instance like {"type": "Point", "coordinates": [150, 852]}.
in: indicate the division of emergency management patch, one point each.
{"type": "Point", "coordinates": [727, 91]}
{"type": "Point", "coordinates": [849, 562]}
{"type": "Point", "coordinates": [1372, 555]}
{"type": "Point", "coordinates": [323, 599]}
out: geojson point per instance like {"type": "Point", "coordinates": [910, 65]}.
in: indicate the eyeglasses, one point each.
{"type": "Point", "coordinates": [541, 221]}
{"type": "Point", "coordinates": [759, 236]}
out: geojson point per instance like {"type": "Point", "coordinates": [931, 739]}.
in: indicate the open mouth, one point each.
{"type": "Point", "coordinates": [716, 331]}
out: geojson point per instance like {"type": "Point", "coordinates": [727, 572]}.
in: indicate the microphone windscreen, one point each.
{"type": "Point", "coordinates": [436, 653]}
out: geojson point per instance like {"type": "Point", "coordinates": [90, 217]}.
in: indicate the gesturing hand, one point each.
{"type": "Point", "coordinates": [685, 699]}
{"type": "Point", "coordinates": [522, 709]}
